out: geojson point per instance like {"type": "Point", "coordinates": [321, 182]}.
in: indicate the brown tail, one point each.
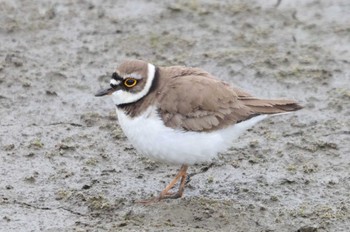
{"type": "Point", "coordinates": [265, 106]}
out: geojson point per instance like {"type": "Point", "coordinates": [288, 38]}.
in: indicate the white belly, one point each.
{"type": "Point", "coordinates": [151, 137]}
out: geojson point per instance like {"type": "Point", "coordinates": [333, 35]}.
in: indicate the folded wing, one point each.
{"type": "Point", "coordinates": [202, 103]}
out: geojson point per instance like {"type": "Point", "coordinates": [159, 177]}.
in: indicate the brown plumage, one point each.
{"type": "Point", "coordinates": [194, 100]}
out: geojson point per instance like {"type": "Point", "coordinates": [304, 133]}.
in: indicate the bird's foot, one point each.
{"type": "Point", "coordinates": [169, 195]}
{"type": "Point", "coordinates": [162, 196]}
{"type": "Point", "coordinates": [165, 194]}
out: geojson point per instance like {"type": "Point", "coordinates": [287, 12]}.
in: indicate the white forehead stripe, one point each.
{"type": "Point", "coordinates": [134, 75]}
{"type": "Point", "coordinates": [123, 97]}
{"type": "Point", "coordinates": [114, 82]}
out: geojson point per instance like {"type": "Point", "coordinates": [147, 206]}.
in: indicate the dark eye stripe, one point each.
{"type": "Point", "coordinates": [116, 77]}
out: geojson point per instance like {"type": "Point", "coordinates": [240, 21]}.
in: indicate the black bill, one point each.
{"type": "Point", "coordinates": [103, 92]}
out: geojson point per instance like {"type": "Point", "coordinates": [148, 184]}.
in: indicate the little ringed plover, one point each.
{"type": "Point", "coordinates": [183, 115]}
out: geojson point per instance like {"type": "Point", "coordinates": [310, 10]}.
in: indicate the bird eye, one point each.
{"type": "Point", "coordinates": [130, 82]}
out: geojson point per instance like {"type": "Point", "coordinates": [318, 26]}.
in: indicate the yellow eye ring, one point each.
{"type": "Point", "coordinates": [130, 82]}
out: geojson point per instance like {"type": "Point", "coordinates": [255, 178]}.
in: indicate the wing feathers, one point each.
{"type": "Point", "coordinates": [264, 106]}
{"type": "Point", "coordinates": [199, 102]}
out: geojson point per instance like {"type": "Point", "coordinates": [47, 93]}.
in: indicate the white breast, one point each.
{"type": "Point", "coordinates": [151, 137]}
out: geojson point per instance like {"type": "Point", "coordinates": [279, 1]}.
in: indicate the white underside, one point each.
{"type": "Point", "coordinates": [151, 137]}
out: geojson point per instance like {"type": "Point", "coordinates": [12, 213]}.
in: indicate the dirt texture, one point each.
{"type": "Point", "coordinates": [65, 164]}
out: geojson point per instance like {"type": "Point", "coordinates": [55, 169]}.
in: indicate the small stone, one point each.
{"type": "Point", "coordinates": [30, 154]}
{"type": "Point", "coordinates": [140, 176]}
{"type": "Point", "coordinates": [307, 229]}
{"type": "Point", "coordinates": [123, 224]}
{"type": "Point", "coordinates": [9, 147]}
{"type": "Point", "coordinates": [50, 93]}
{"type": "Point", "coordinates": [86, 186]}
{"type": "Point", "coordinates": [30, 179]}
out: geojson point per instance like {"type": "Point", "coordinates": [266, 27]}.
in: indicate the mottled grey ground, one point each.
{"type": "Point", "coordinates": [65, 164]}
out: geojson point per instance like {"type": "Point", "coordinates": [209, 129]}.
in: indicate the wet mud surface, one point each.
{"type": "Point", "coordinates": [66, 165]}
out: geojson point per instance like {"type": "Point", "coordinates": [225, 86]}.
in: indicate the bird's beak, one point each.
{"type": "Point", "coordinates": [103, 92]}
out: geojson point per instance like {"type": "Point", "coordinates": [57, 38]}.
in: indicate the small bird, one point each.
{"type": "Point", "coordinates": [183, 115]}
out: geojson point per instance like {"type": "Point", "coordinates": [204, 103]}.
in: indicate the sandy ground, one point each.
{"type": "Point", "coordinates": [65, 164]}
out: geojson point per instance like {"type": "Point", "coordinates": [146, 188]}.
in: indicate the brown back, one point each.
{"type": "Point", "coordinates": [200, 102]}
